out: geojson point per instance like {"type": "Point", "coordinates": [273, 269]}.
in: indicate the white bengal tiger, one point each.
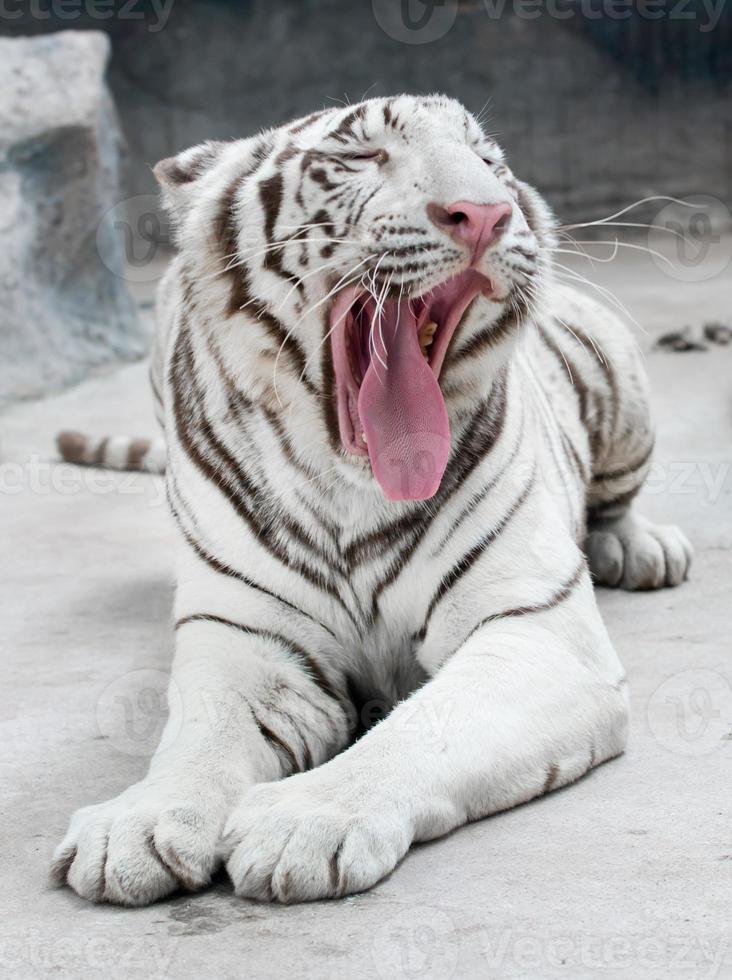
{"type": "Point", "coordinates": [386, 423]}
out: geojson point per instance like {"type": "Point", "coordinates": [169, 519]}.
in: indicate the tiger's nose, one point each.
{"type": "Point", "coordinates": [474, 225]}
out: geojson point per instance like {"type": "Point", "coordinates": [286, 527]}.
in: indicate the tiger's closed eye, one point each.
{"type": "Point", "coordinates": [374, 156]}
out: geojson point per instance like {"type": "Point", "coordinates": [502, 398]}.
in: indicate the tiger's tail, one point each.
{"type": "Point", "coordinates": [113, 452]}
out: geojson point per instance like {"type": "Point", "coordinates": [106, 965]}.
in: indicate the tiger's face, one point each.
{"type": "Point", "coordinates": [374, 250]}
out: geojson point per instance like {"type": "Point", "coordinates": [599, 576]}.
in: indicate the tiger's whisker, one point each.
{"type": "Point", "coordinates": [304, 278]}
{"type": "Point", "coordinates": [619, 244]}
{"type": "Point", "coordinates": [626, 224]}
{"type": "Point", "coordinates": [565, 272]}
{"type": "Point", "coordinates": [243, 257]}
{"type": "Point", "coordinates": [379, 312]}
{"type": "Point", "coordinates": [635, 204]}
{"type": "Point", "coordinates": [342, 283]}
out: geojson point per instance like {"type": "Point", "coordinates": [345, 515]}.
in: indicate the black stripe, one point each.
{"type": "Point", "coordinates": [241, 296]}
{"type": "Point", "coordinates": [307, 756]}
{"type": "Point", "coordinates": [308, 121]}
{"type": "Point", "coordinates": [527, 207]}
{"type": "Point", "coordinates": [355, 220]}
{"type": "Point", "coordinates": [239, 403]}
{"type": "Point", "coordinates": [551, 777]}
{"type": "Point", "coordinates": [479, 496]}
{"type": "Point", "coordinates": [581, 337]}
{"type": "Point", "coordinates": [466, 561]}
{"type": "Point", "coordinates": [627, 470]}
{"type": "Point", "coordinates": [98, 457]}
{"type": "Point", "coordinates": [562, 593]}
{"type": "Point", "coordinates": [609, 508]}
{"type": "Point", "coordinates": [196, 167]}
{"type": "Point", "coordinates": [223, 569]}
{"type": "Point", "coordinates": [226, 473]}
{"type": "Point", "coordinates": [372, 545]}
{"type": "Point", "coordinates": [277, 743]}
{"type": "Point", "coordinates": [327, 229]}
{"type": "Point", "coordinates": [478, 438]}
{"type": "Point", "coordinates": [345, 128]}
{"type": "Point", "coordinates": [320, 176]}
{"type": "Point", "coordinates": [490, 336]}
{"type": "Point", "coordinates": [571, 450]}
{"type": "Point", "coordinates": [328, 528]}
{"type": "Point", "coordinates": [236, 480]}
{"type": "Point", "coordinates": [226, 226]}
{"type": "Point", "coordinates": [271, 192]}
{"type": "Point", "coordinates": [306, 661]}
{"type": "Point", "coordinates": [281, 337]}
{"type": "Point", "coordinates": [327, 398]}
{"type": "Point", "coordinates": [575, 379]}
{"type": "Point", "coordinates": [570, 369]}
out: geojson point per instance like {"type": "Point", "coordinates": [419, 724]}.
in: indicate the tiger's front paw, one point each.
{"type": "Point", "coordinates": [140, 846]}
{"type": "Point", "coordinates": [300, 840]}
{"type": "Point", "coordinates": [632, 553]}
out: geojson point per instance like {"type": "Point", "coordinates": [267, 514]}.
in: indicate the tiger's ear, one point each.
{"type": "Point", "coordinates": [179, 175]}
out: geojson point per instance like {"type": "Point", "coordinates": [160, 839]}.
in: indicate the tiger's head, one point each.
{"type": "Point", "coordinates": [366, 268]}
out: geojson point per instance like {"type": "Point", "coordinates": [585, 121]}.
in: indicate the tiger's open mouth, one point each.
{"type": "Point", "coordinates": [390, 405]}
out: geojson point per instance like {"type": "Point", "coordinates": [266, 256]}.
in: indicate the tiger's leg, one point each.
{"type": "Point", "coordinates": [623, 548]}
{"type": "Point", "coordinates": [530, 702]}
{"type": "Point", "coordinates": [243, 708]}
{"type": "Point", "coordinates": [631, 552]}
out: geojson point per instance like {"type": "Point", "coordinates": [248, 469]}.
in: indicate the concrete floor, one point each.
{"type": "Point", "coordinates": [627, 874]}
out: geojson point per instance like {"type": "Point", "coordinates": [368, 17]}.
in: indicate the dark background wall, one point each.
{"type": "Point", "coordinates": [596, 109]}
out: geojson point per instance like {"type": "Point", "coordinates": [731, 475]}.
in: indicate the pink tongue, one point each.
{"type": "Point", "coordinates": [402, 411]}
